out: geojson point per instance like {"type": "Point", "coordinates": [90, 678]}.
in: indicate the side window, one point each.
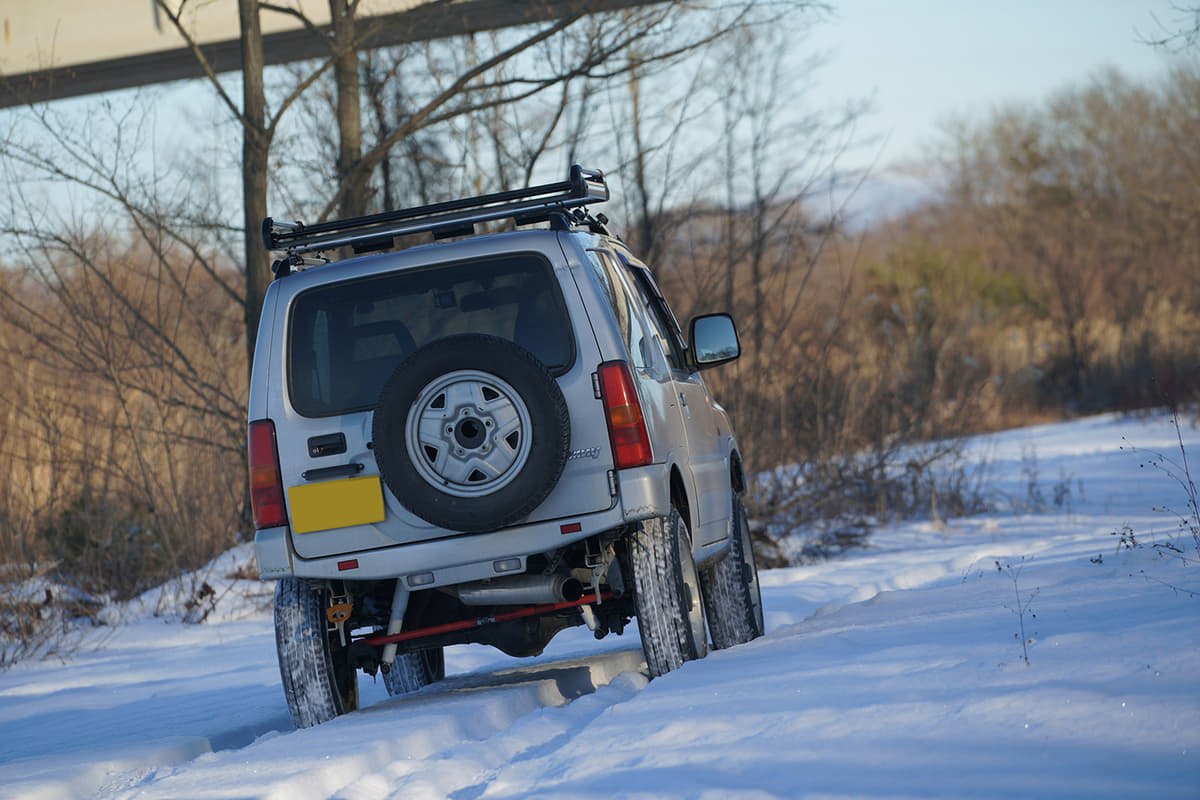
{"type": "Point", "coordinates": [666, 329]}
{"type": "Point", "coordinates": [618, 295]}
{"type": "Point", "coordinates": [603, 272]}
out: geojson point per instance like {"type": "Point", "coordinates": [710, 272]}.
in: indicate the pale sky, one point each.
{"type": "Point", "coordinates": [925, 60]}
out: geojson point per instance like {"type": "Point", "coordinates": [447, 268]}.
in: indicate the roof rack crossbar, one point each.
{"type": "Point", "coordinates": [534, 203]}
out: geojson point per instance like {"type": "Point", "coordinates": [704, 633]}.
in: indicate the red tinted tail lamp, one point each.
{"type": "Point", "coordinates": [626, 425]}
{"type": "Point", "coordinates": [266, 485]}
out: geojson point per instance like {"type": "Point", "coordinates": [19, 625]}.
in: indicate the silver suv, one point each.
{"type": "Point", "coordinates": [486, 440]}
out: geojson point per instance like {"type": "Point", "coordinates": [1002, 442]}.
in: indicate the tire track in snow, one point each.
{"type": "Point", "coordinates": [362, 755]}
{"type": "Point", "coordinates": [467, 771]}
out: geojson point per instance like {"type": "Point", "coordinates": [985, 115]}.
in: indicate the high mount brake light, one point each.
{"type": "Point", "coordinates": [626, 426]}
{"type": "Point", "coordinates": [266, 485]}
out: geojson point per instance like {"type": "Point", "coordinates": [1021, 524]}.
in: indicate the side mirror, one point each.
{"type": "Point", "coordinates": [714, 340]}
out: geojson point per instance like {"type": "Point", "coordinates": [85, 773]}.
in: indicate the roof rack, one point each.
{"type": "Point", "coordinates": [452, 218]}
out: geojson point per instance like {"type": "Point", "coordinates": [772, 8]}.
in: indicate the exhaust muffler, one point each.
{"type": "Point", "coordinates": [521, 590]}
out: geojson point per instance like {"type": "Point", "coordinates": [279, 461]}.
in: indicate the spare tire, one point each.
{"type": "Point", "coordinates": [471, 433]}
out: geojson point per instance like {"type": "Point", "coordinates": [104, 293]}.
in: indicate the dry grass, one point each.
{"type": "Point", "coordinates": [122, 418]}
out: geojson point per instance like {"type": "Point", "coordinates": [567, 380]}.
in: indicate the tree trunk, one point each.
{"type": "Point", "coordinates": [647, 232]}
{"type": "Point", "coordinates": [349, 111]}
{"type": "Point", "coordinates": [255, 150]}
{"type": "Point", "coordinates": [256, 147]}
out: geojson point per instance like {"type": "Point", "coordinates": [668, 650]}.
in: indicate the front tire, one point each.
{"type": "Point", "coordinates": [731, 594]}
{"type": "Point", "coordinates": [317, 679]}
{"type": "Point", "coordinates": [667, 597]}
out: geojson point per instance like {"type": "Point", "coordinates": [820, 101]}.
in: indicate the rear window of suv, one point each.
{"type": "Point", "coordinates": [347, 338]}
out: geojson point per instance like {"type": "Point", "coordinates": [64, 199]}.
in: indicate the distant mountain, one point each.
{"type": "Point", "coordinates": [867, 198]}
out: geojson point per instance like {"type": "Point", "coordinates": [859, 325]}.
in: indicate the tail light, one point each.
{"type": "Point", "coordinates": [626, 426]}
{"type": "Point", "coordinates": [266, 485]}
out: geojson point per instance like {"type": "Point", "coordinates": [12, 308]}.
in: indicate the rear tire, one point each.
{"type": "Point", "coordinates": [318, 681]}
{"type": "Point", "coordinates": [731, 594]}
{"type": "Point", "coordinates": [412, 671]}
{"type": "Point", "coordinates": [667, 597]}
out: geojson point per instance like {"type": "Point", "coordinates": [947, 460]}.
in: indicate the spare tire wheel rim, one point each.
{"type": "Point", "coordinates": [468, 433]}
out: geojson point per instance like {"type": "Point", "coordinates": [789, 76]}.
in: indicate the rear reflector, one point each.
{"type": "Point", "coordinates": [626, 426]}
{"type": "Point", "coordinates": [345, 565]}
{"type": "Point", "coordinates": [266, 486]}
{"type": "Point", "coordinates": [570, 527]}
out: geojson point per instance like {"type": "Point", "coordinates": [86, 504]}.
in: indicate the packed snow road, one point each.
{"type": "Point", "coordinates": [894, 671]}
{"type": "Point", "coordinates": [175, 711]}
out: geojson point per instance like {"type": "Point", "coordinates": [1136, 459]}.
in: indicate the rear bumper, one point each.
{"type": "Point", "coordinates": [643, 493]}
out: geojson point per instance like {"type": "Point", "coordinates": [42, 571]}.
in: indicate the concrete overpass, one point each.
{"type": "Point", "coordinates": [54, 49]}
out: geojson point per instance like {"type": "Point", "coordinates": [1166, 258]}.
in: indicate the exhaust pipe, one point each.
{"type": "Point", "coordinates": [521, 590]}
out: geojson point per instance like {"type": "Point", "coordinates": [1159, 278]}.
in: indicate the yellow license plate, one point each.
{"type": "Point", "coordinates": [336, 504]}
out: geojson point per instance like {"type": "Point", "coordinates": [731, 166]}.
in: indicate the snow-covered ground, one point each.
{"type": "Point", "coordinates": [895, 671]}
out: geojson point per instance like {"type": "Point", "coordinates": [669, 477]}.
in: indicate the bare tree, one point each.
{"type": "Point", "coordinates": [127, 409]}
{"type": "Point", "coordinates": [259, 128]}
{"type": "Point", "coordinates": [1083, 202]}
{"type": "Point", "coordinates": [522, 84]}
{"type": "Point", "coordinates": [1178, 34]}
{"type": "Point", "coordinates": [761, 240]}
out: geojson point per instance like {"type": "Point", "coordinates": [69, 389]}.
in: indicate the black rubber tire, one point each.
{"type": "Point", "coordinates": [667, 596]}
{"type": "Point", "coordinates": [731, 595]}
{"type": "Point", "coordinates": [412, 671]}
{"type": "Point", "coordinates": [317, 681]}
{"type": "Point", "coordinates": [531, 476]}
